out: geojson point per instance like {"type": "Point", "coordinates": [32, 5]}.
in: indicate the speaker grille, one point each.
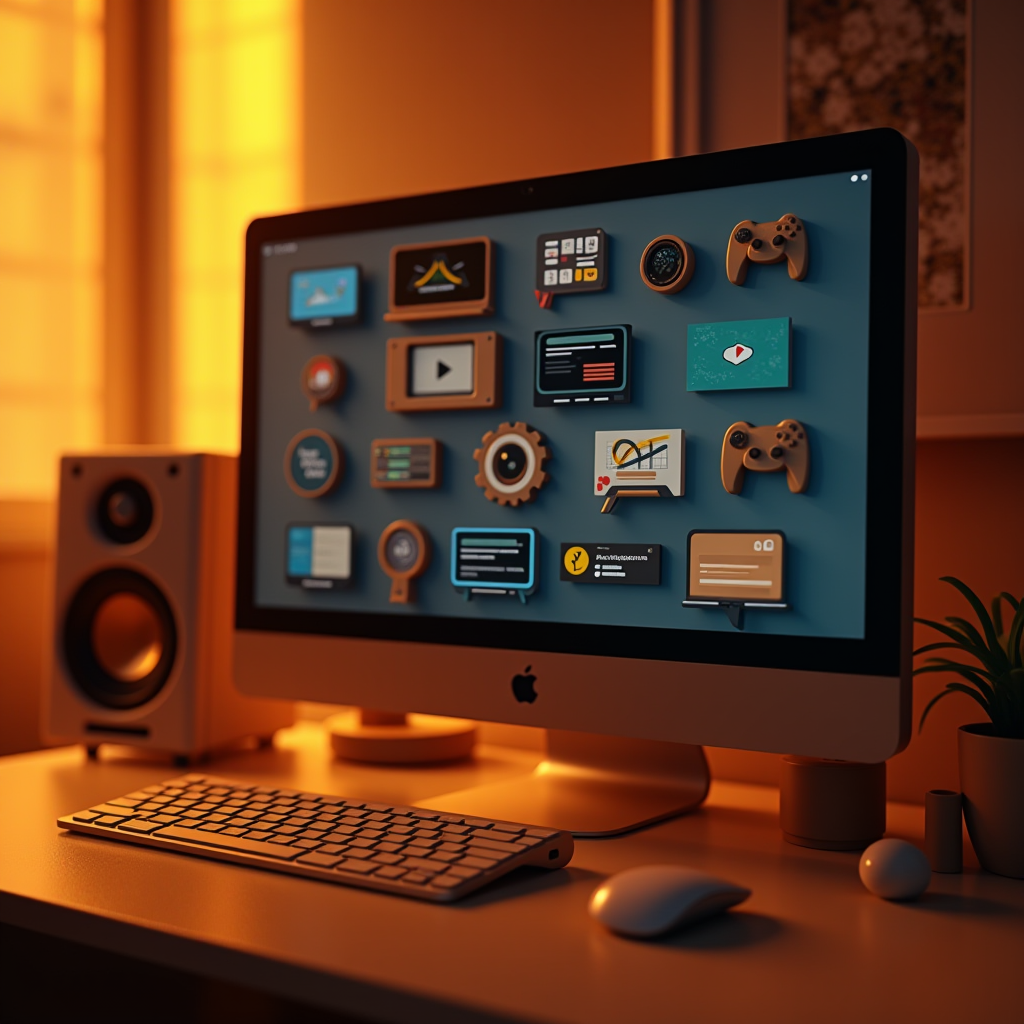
{"type": "Point", "coordinates": [120, 640]}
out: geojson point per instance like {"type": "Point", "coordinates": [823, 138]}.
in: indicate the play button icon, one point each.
{"type": "Point", "coordinates": [737, 354]}
{"type": "Point", "coordinates": [441, 369]}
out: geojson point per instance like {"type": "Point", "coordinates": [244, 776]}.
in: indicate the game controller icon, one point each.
{"type": "Point", "coordinates": [771, 241]}
{"type": "Point", "coordinates": [766, 450]}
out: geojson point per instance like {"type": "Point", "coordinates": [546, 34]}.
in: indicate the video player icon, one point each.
{"type": "Point", "coordinates": [441, 369]}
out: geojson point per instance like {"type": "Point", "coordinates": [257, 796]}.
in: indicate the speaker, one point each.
{"type": "Point", "coordinates": [144, 607]}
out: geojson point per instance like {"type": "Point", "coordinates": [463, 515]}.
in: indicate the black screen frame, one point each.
{"type": "Point", "coordinates": [891, 160]}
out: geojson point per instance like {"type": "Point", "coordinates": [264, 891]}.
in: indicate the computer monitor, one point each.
{"type": "Point", "coordinates": [627, 452]}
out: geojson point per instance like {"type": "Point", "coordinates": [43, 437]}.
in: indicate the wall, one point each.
{"type": "Point", "coordinates": [407, 97]}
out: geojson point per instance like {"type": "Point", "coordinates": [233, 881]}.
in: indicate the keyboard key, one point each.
{"type": "Point", "coordinates": [333, 848]}
{"type": "Point", "coordinates": [123, 801]}
{"type": "Point", "coordinates": [390, 872]}
{"type": "Point", "coordinates": [370, 833]}
{"type": "Point", "coordinates": [211, 827]}
{"type": "Point", "coordinates": [111, 809]}
{"type": "Point", "coordinates": [385, 858]}
{"type": "Point", "coordinates": [219, 818]}
{"type": "Point", "coordinates": [421, 864]}
{"type": "Point", "coordinates": [283, 840]}
{"type": "Point", "coordinates": [312, 833]}
{"type": "Point", "coordinates": [426, 833]}
{"type": "Point", "coordinates": [477, 822]}
{"type": "Point", "coordinates": [451, 848]}
{"type": "Point", "coordinates": [166, 819]}
{"type": "Point", "coordinates": [541, 833]}
{"type": "Point", "coordinates": [413, 878]}
{"type": "Point", "coordinates": [237, 843]}
{"type": "Point", "coordinates": [194, 815]}
{"type": "Point", "coordinates": [528, 842]}
{"type": "Point", "coordinates": [287, 830]}
{"type": "Point", "coordinates": [307, 844]}
{"type": "Point", "coordinates": [400, 830]}
{"type": "Point", "coordinates": [386, 847]}
{"type": "Point", "coordinates": [475, 862]}
{"type": "Point", "coordinates": [143, 827]}
{"type": "Point", "coordinates": [359, 867]}
{"type": "Point", "coordinates": [318, 860]}
{"type": "Point", "coordinates": [109, 819]}
{"type": "Point", "coordinates": [422, 844]}
{"type": "Point", "coordinates": [446, 882]}
{"type": "Point", "coordinates": [359, 854]}
{"type": "Point", "coordinates": [87, 816]}
{"type": "Point", "coordinates": [403, 821]}
{"type": "Point", "coordinates": [378, 807]}
{"type": "Point", "coordinates": [332, 801]}
{"type": "Point", "coordinates": [443, 858]}
{"type": "Point", "coordinates": [500, 837]}
{"type": "Point", "coordinates": [454, 830]}
{"type": "Point", "coordinates": [461, 871]}
{"type": "Point", "coordinates": [233, 832]}
{"type": "Point", "coordinates": [513, 830]}
{"type": "Point", "coordinates": [497, 849]}
{"type": "Point", "coordinates": [259, 837]}
{"type": "Point", "coordinates": [452, 819]}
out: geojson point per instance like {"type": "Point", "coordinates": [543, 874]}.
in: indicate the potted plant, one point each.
{"type": "Point", "coordinates": [991, 753]}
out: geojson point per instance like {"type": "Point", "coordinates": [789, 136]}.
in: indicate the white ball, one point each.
{"type": "Point", "coordinates": [895, 870]}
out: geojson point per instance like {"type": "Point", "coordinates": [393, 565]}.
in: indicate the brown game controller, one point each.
{"type": "Point", "coordinates": [766, 450]}
{"type": "Point", "coordinates": [771, 241]}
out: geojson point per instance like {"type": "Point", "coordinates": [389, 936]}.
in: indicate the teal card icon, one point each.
{"type": "Point", "coordinates": [738, 354]}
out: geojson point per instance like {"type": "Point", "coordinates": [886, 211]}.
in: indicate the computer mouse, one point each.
{"type": "Point", "coordinates": [648, 901]}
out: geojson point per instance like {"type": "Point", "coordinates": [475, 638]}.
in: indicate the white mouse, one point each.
{"type": "Point", "coordinates": [649, 901]}
{"type": "Point", "coordinates": [895, 870]}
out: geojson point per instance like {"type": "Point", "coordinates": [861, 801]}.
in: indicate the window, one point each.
{"type": "Point", "coordinates": [51, 238]}
{"type": "Point", "coordinates": [235, 153]}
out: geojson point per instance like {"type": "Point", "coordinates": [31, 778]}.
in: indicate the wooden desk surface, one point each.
{"type": "Point", "coordinates": [810, 944]}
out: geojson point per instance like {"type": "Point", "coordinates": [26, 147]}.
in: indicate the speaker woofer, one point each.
{"type": "Point", "coordinates": [120, 639]}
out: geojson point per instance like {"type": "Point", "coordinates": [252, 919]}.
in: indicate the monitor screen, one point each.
{"type": "Point", "coordinates": [618, 406]}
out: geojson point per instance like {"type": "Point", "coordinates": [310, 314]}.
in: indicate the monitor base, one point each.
{"type": "Point", "coordinates": [383, 737]}
{"type": "Point", "coordinates": [593, 786]}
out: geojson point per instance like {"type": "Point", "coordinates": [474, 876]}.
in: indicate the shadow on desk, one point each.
{"type": "Point", "coordinates": [45, 979]}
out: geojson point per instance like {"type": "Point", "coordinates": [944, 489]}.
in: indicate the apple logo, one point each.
{"type": "Point", "coordinates": [523, 688]}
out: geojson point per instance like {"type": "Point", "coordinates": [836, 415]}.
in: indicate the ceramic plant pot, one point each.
{"type": "Point", "coordinates": [992, 781]}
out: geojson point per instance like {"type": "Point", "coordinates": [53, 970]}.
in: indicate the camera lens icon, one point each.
{"type": "Point", "coordinates": [764, 545]}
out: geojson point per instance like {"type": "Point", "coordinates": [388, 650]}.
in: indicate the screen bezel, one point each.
{"type": "Point", "coordinates": [888, 157]}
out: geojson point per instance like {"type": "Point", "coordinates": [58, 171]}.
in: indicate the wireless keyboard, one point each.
{"type": "Point", "coordinates": [409, 851]}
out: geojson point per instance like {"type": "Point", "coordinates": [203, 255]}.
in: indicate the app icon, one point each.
{"type": "Point", "coordinates": [441, 279]}
{"type": "Point", "coordinates": [576, 560]}
{"type": "Point", "coordinates": [647, 463]}
{"type": "Point", "coordinates": [325, 297]}
{"type": "Point", "coordinates": [569, 262]}
{"type": "Point", "coordinates": [739, 354]}
{"type": "Point", "coordinates": [587, 366]}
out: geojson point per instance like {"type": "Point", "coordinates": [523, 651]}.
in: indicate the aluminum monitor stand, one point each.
{"type": "Point", "coordinates": [594, 785]}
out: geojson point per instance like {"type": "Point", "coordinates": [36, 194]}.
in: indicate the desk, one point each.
{"type": "Point", "coordinates": [810, 944]}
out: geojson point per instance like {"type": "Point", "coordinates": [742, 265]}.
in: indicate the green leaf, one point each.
{"type": "Point", "coordinates": [972, 675]}
{"type": "Point", "coordinates": [953, 634]}
{"type": "Point", "coordinates": [951, 688]}
{"type": "Point", "coordinates": [936, 647]}
{"type": "Point", "coordinates": [994, 658]}
{"type": "Point", "coordinates": [973, 694]}
{"type": "Point", "coordinates": [997, 614]}
{"type": "Point", "coordinates": [1013, 638]}
{"type": "Point", "coordinates": [979, 608]}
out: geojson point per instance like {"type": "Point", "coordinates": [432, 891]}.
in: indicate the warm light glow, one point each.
{"type": "Point", "coordinates": [51, 238]}
{"type": "Point", "coordinates": [235, 154]}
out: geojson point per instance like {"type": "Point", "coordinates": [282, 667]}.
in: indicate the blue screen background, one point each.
{"type": "Point", "coordinates": [825, 527]}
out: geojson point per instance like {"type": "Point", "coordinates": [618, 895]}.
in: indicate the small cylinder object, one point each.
{"type": "Point", "coordinates": [943, 831]}
{"type": "Point", "coordinates": [831, 805]}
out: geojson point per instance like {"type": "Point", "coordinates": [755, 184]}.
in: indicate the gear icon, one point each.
{"type": "Point", "coordinates": [511, 462]}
